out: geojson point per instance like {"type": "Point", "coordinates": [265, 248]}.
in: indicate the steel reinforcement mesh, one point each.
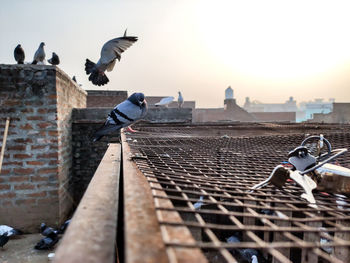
{"type": "Point", "coordinates": [206, 181]}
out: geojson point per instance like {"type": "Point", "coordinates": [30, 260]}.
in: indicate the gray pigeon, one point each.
{"type": "Point", "coordinates": [110, 52]}
{"type": "Point", "coordinates": [180, 100]}
{"type": "Point", "coordinates": [55, 60]}
{"type": "Point", "coordinates": [125, 113]}
{"type": "Point", "coordinates": [19, 54]}
{"type": "Point", "coordinates": [39, 55]}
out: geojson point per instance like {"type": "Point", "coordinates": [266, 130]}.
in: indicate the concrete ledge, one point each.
{"type": "Point", "coordinates": [91, 236]}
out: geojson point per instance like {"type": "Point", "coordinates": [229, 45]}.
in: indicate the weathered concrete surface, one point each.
{"type": "Point", "coordinates": [142, 230]}
{"type": "Point", "coordinates": [91, 235]}
{"type": "Point", "coordinates": [157, 115]}
{"type": "Point", "coordinates": [21, 250]}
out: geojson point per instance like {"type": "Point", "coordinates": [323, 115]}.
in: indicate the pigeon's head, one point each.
{"type": "Point", "coordinates": [137, 98]}
{"type": "Point", "coordinates": [19, 45]}
{"type": "Point", "coordinates": [42, 227]}
{"type": "Point", "coordinates": [42, 44]}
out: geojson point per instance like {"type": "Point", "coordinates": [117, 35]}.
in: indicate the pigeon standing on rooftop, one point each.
{"type": "Point", "coordinates": [19, 54]}
{"type": "Point", "coordinates": [39, 55]}
{"type": "Point", "coordinates": [180, 100]}
{"type": "Point", "coordinates": [125, 113]}
{"type": "Point", "coordinates": [111, 51]}
{"type": "Point", "coordinates": [55, 60]}
{"type": "Point", "coordinates": [4, 238]}
{"type": "Point", "coordinates": [74, 79]}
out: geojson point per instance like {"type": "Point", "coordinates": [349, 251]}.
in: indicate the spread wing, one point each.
{"type": "Point", "coordinates": [113, 49]}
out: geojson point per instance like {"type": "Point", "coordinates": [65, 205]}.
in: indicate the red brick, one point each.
{"type": "Point", "coordinates": [25, 201]}
{"type": "Point", "coordinates": [53, 96]}
{"type": "Point", "coordinates": [13, 163]}
{"type": "Point", "coordinates": [4, 187]}
{"type": "Point", "coordinates": [54, 162]}
{"type": "Point", "coordinates": [18, 178]}
{"type": "Point", "coordinates": [27, 110]}
{"type": "Point", "coordinates": [38, 194]}
{"type": "Point", "coordinates": [48, 155]}
{"type": "Point", "coordinates": [27, 127]}
{"type": "Point", "coordinates": [44, 125]}
{"type": "Point", "coordinates": [4, 172]}
{"type": "Point", "coordinates": [23, 170]}
{"type": "Point", "coordinates": [35, 163]}
{"type": "Point", "coordinates": [12, 102]}
{"type": "Point", "coordinates": [34, 103]}
{"type": "Point", "coordinates": [7, 195]}
{"type": "Point", "coordinates": [42, 111]}
{"type": "Point", "coordinates": [17, 148]}
{"type": "Point", "coordinates": [34, 147]}
{"type": "Point", "coordinates": [53, 133]}
{"type": "Point", "coordinates": [23, 140]}
{"type": "Point", "coordinates": [35, 118]}
{"type": "Point", "coordinates": [38, 178]}
{"type": "Point", "coordinates": [22, 156]}
{"type": "Point", "coordinates": [24, 186]}
{"type": "Point", "coordinates": [47, 170]}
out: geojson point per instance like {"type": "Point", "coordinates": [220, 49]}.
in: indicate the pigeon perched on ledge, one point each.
{"type": "Point", "coordinates": [19, 54]}
{"type": "Point", "coordinates": [124, 114]}
{"type": "Point", "coordinates": [111, 51]}
{"type": "Point", "coordinates": [180, 100]}
{"type": "Point", "coordinates": [55, 60]}
{"type": "Point", "coordinates": [39, 55]}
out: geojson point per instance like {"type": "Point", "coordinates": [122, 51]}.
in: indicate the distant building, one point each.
{"type": "Point", "coordinates": [229, 93]}
{"type": "Point", "coordinates": [272, 111]}
{"type": "Point", "coordinates": [340, 114]}
{"type": "Point", "coordinates": [313, 107]}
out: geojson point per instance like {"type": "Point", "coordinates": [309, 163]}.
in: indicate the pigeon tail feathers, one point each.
{"type": "Point", "coordinates": [98, 79]}
{"type": "Point", "coordinates": [89, 66]}
{"type": "Point", "coordinates": [34, 62]}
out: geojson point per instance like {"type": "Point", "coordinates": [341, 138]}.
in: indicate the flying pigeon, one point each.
{"type": "Point", "coordinates": [9, 230]}
{"type": "Point", "coordinates": [127, 112]}
{"type": "Point", "coordinates": [4, 238]}
{"type": "Point", "coordinates": [110, 52]}
{"type": "Point", "coordinates": [39, 55]}
{"type": "Point", "coordinates": [55, 60]}
{"type": "Point", "coordinates": [165, 101]}
{"type": "Point", "coordinates": [19, 54]}
{"type": "Point", "coordinates": [180, 100]}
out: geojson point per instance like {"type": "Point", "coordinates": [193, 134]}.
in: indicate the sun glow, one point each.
{"type": "Point", "coordinates": [276, 39]}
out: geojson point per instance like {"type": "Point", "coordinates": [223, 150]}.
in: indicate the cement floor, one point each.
{"type": "Point", "coordinates": [21, 250]}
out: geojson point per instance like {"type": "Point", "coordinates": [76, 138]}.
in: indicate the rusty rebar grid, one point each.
{"type": "Point", "coordinates": [183, 166]}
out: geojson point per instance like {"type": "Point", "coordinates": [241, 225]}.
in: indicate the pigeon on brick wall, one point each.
{"type": "Point", "coordinates": [180, 100]}
{"type": "Point", "coordinates": [19, 54]}
{"type": "Point", "coordinates": [111, 51]}
{"type": "Point", "coordinates": [124, 114]}
{"type": "Point", "coordinates": [55, 60]}
{"type": "Point", "coordinates": [39, 55]}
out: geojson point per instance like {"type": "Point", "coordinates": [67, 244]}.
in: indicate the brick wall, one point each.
{"type": "Point", "coordinates": [34, 176]}
{"type": "Point", "coordinates": [105, 98]}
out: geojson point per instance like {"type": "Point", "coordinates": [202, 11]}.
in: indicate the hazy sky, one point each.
{"type": "Point", "coordinates": [267, 50]}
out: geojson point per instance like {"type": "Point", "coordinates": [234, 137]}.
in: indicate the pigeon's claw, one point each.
{"type": "Point", "coordinates": [129, 129]}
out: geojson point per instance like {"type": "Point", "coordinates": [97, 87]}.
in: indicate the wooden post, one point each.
{"type": "Point", "coordinates": [4, 141]}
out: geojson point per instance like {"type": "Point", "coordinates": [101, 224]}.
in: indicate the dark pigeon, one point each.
{"type": "Point", "coordinates": [124, 114]}
{"type": "Point", "coordinates": [47, 243]}
{"type": "Point", "coordinates": [19, 54]}
{"type": "Point", "coordinates": [74, 79]}
{"type": "Point", "coordinates": [55, 60]}
{"type": "Point", "coordinates": [111, 51]}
